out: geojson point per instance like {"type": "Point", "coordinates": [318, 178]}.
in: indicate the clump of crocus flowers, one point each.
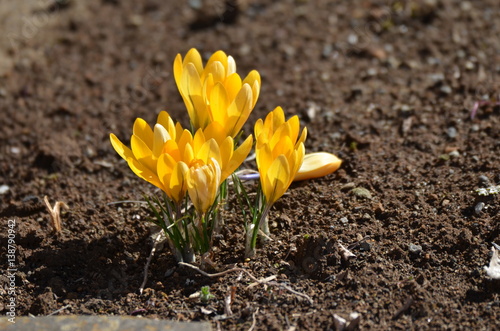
{"type": "Point", "coordinates": [193, 167]}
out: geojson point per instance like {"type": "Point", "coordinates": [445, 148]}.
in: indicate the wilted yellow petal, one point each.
{"type": "Point", "coordinates": [317, 165]}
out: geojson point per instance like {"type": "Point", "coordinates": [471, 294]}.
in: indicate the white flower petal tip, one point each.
{"type": "Point", "coordinates": [493, 270]}
{"type": "Point", "coordinates": [317, 165]}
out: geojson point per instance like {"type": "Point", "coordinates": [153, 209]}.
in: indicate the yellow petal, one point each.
{"type": "Point", "coordinates": [219, 103]}
{"type": "Point", "coordinates": [233, 85]}
{"type": "Point", "coordinates": [142, 153]}
{"type": "Point", "coordinates": [198, 141]}
{"type": "Point", "coordinates": [192, 89]}
{"type": "Point", "coordinates": [264, 158]}
{"type": "Point", "coordinates": [186, 138]}
{"type": "Point", "coordinates": [143, 172]}
{"type": "Point", "coordinates": [161, 136]}
{"type": "Point", "coordinates": [317, 165]}
{"type": "Point", "coordinates": [282, 132]}
{"type": "Point", "coordinates": [276, 180]}
{"type": "Point", "coordinates": [142, 130]}
{"type": "Point", "coordinates": [178, 185]}
{"type": "Point", "coordinates": [253, 79]}
{"type": "Point", "coordinates": [178, 69]}
{"type": "Point", "coordinates": [218, 56]}
{"type": "Point", "coordinates": [237, 157]}
{"type": "Point", "coordinates": [217, 131]}
{"type": "Point", "coordinates": [231, 66]}
{"type": "Point", "coordinates": [165, 167]}
{"type": "Point", "coordinates": [294, 127]}
{"type": "Point", "coordinates": [120, 148]}
{"type": "Point", "coordinates": [296, 161]}
{"type": "Point", "coordinates": [171, 148]}
{"type": "Point", "coordinates": [217, 70]}
{"type": "Point", "coordinates": [303, 137]}
{"type": "Point", "coordinates": [210, 149]}
{"type": "Point", "coordinates": [202, 185]}
{"type": "Point", "coordinates": [194, 57]}
{"type": "Point", "coordinates": [166, 121]}
{"type": "Point", "coordinates": [239, 110]}
{"type": "Point", "coordinates": [283, 146]}
{"type": "Point", "coordinates": [258, 128]}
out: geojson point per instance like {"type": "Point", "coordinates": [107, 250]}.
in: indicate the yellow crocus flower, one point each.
{"type": "Point", "coordinates": [146, 147]}
{"type": "Point", "coordinates": [279, 153]}
{"type": "Point", "coordinates": [203, 182]}
{"type": "Point", "coordinates": [163, 155]}
{"type": "Point", "coordinates": [215, 92]}
{"type": "Point", "coordinates": [154, 154]}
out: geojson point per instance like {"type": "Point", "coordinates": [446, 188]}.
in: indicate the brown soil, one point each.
{"type": "Point", "coordinates": [388, 87]}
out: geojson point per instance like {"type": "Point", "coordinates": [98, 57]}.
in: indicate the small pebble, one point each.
{"type": "Point", "coordinates": [415, 249]}
{"type": "Point", "coordinates": [364, 246]}
{"type": "Point", "coordinates": [451, 132]}
{"type": "Point", "coordinates": [474, 128]}
{"type": "Point", "coordinates": [344, 220]}
{"type": "Point", "coordinates": [195, 4]}
{"type": "Point", "coordinates": [484, 180]}
{"type": "Point", "coordinates": [478, 208]}
{"type": "Point", "coordinates": [446, 89]}
{"type": "Point", "coordinates": [352, 39]}
{"type": "Point", "coordinates": [327, 50]}
{"type": "Point", "coordinates": [366, 217]}
{"type": "Point", "coordinates": [361, 192]}
{"type": "Point", "coordinates": [4, 189]}
{"type": "Point", "coordinates": [348, 186]}
{"type": "Point", "coordinates": [454, 154]}
{"type": "Point", "coordinates": [437, 77]}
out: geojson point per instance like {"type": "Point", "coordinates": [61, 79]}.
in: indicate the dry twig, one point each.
{"type": "Point", "coordinates": [55, 213]}
{"type": "Point", "coordinates": [252, 277]}
{"type": "Point", "coordinates": [153, 250]}
{"type": "Point", "coordinates": [254, 320]}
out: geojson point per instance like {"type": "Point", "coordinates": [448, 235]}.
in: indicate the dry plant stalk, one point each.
{"type": "Point", "coordinates": [252, 277]}
{"type": "Point", "coordinates": [55, 213]}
